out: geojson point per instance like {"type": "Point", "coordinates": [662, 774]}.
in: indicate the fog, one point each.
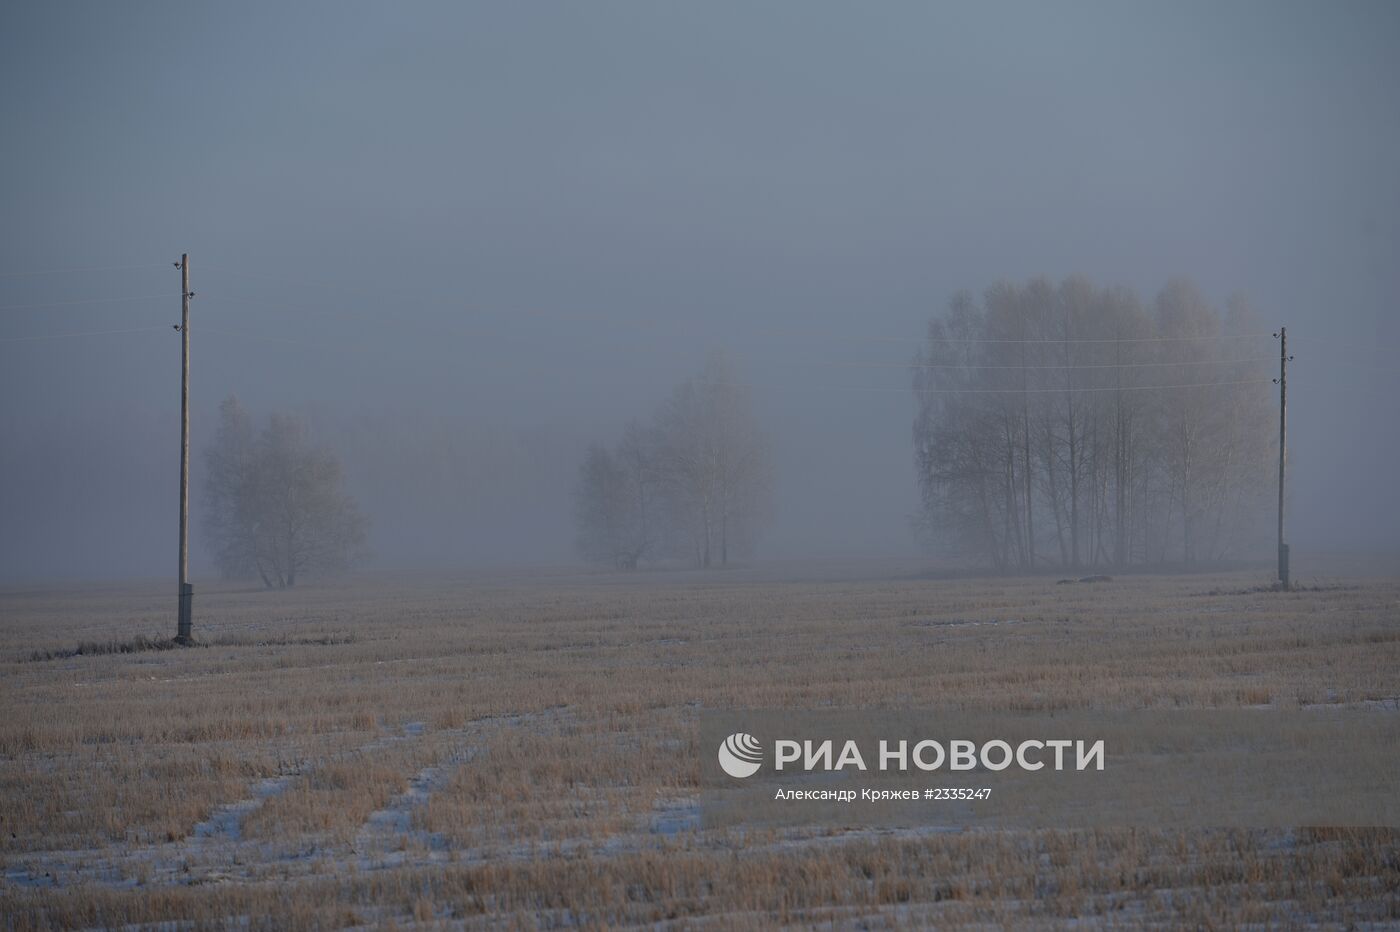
{"type": "Point", "coordinates": [465, 241]}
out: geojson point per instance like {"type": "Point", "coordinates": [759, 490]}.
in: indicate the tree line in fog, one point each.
{"type": "Point", "coordinates": [1058, 424]}
{"type": "Point", "coordinates": [692, 483]}
{"type": "Point", "coordinates": [1070, 424]}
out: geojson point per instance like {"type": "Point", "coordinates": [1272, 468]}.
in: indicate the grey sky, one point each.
{"type": "Point", "coordinates": [509, 228]}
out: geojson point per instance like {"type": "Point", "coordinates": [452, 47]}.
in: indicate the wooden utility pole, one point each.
{"type": "Point", "coordinates": [1282, 380]}
{"type": "Point", "coordinates": [183, 635]}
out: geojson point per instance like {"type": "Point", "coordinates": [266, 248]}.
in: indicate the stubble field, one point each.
{"type": "Point", "coordinates": [522, 751]}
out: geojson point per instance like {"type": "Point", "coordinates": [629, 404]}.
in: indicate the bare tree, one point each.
{"type": "Point", "coordinates": [638, 456]}
{"type": "Point", "coordinates": [1063, 418]}
{"type": "Point", "coordinates": [697, 482]}
{"type": "Point", "coordinates": [276, 507]}
{"type": "Point", "coordinates": [230, 489]}
{"type": "Point", "coordinates": [616, 500]}
{"type": "Point", "coordinates": [714, 459]}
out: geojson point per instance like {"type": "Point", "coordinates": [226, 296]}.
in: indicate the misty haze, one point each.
{"type": "Point", "coordinates": [558, 371]}
{"type": "Point", "coordinates": [465, 245]}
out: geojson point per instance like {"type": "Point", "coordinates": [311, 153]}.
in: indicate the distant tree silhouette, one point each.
{"type": "Point", "coordinates": [275, 507]}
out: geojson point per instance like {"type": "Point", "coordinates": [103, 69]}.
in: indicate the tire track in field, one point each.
{"type": "Point", "coordinates": [212, 846]}
{"type": "Point", "coordinates": [388, 833]}
{"type": "Point", "coordinates": [388, 837]}
{"type": "Point", "coordinates": [226, 822]}
{"type": "Point", "coordinates": [215, 850]}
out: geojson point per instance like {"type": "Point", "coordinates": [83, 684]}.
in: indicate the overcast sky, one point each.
{"type": "Point", "coordinates": [509, 228]}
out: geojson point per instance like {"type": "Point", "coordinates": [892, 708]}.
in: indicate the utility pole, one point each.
{"type": "Point", "coordinates": [184, 624]}
{"type": "Point", "coordinates": [1026, 458]}
{"type": "Point", "coordinates": [1282, 381]}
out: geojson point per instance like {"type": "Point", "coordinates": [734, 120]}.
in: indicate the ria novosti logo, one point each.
{"type": "Point", "coordinates": [740, 755]}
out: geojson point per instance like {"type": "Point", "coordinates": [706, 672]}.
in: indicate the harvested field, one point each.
{"type": "Point", "coordinates": [522, 751]}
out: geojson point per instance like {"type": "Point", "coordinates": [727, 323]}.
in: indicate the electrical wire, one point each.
{"type": "Point", "coordinates": [585, 318]}
{"type": "Point", "coordinates": [80, 333]}
{"type": "Point", "coordinates": [1057, 391]}
{"type": "Point", "coordinates": [615, 322]}
{"type": "Point", "coordinates": [1109, 340]}
{"type": "Point", "coordinates": [1051, 391]}
{"type": "Point", "coordinates": [140, 297]}
{"type": "Point", "coordinates": [1112, 365]}
{"type": "Point", "coordinates": [94, 268]}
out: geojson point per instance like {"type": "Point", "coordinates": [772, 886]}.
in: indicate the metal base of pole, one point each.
{"type": "Point", "coordinates": [1283, 566]}
{"type": "Point", "coordinates": [186, 621]}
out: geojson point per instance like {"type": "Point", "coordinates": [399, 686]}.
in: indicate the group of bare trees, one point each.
{"type": "Point", "coordinates": [694, 482]}
{"type": "Point", "coordinates": [1066, 424]}
{"type": "Point", "coordinates": [274, 504]}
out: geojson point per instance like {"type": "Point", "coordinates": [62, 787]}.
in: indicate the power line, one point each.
{"type": "Point", "coordinates": [621, 323]}
{"type": "Point", "coordinates": [1203, 337]}
{"type": "Point", "coordinates": [477, 311]}
{"type": "Point", "coordinates": [840, 364]}
{"type": "Point", "coordinates": [380, 295]}
{"type": "Point", "coordinates": [344, 289]}
{"type": "Point", "coordinates": [80, 333]}
{"type": "Point", "coordinates": [1369, 347]}
{"type": "Point", "coordinates": [1009, 391]}
{"type": "Point", "coordinates": [1056, 391]}
{"type": "Point", "coordinates": [139, 297]}
{"type": "Point", "coordinates": [1112, 365]}
{"type": "Point", "coordinates": [94, 268]}
{"type": "Point", "coordinates": [256, 336]}
{"type": "Point", "coordinates": [849, 388]}
{"type": "Point", "coordinates": [595, 318]}
{"type": "Point", "coordinates": [822, 363]}
{"type": "Point", "coordinates": [854, 388]}
{"type": "Point", "coordinates": [811, 363]}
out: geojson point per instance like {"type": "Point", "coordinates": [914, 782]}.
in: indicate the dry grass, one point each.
{"type": "Point", "coordinates": [96, 648]}
{"type": "Point", "coordinates": [522, 752]}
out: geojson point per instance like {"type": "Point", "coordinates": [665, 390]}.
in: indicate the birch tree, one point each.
{"type": "Point", "coordinates": [714, 459]}
{"type": "Point", "coordinates": [1062, 424]}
